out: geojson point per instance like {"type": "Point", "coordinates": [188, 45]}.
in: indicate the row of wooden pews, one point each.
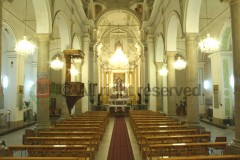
{"type": "Point", "coordinates": [160, 136]}
{"type": "Point", "coordinates": [78, 136]}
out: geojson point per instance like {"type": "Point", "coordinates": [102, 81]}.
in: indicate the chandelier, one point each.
{"type": "Point", "coordinates": [179, 64]}
{"type": "Point", "coordinates": [118, 58]}
{"type": "Point", "coordinates": [209, 44]}
{"type": "Point", "coordinates": [25, 47]}
{"type": "Point", "coordinates": [56, 64]}
{"type": "Point", "coordinates": [163, 71]}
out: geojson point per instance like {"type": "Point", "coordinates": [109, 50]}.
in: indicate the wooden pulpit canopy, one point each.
{"type": "Point", "coordinates": [73, 90]}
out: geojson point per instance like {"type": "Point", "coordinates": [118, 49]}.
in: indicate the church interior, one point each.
{"type": "Point", "coordinates": [120, 79]}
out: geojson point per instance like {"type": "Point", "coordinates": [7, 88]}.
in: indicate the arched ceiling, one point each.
{"type": "Point", "coordinates": [124, 29]}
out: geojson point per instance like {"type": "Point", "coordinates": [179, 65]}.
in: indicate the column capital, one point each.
{"type": "Point", "coordinates": [158, 65]}
{"type": "Point", "coordinates": [225, 1]}
{"type": "Point", "coordinates": [42, 37]}
{"type": "Point", "coordinates": [11, 54]}
{"type": "Point", "coordinates": [34, 64]}
{"type": "Point", "coordinates": [86, 37]}
{"type": "Point", "coordinates": [150, 38]}
{"type": "Point", "coordinates": [191, 36]}
{"type": "Point", "coordinates": [201, 63]}
{"type": "Point", "coordinates": [232, 2]}
{"type": "Point", "coordinates": [171, 53]}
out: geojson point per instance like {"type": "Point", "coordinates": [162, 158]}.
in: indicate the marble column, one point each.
{"type": "Point", "coordinates": [171, 83]}
{"type": "Point", "coordinates": [1, 88]}
{"type": "Point", "coordinates": [235, 10]}
{"type": "Point", "coordinates": [202, 108]}
{"type": "Point", "coordinates": [151, 70]}
{"type": "Point", "coordinates": [78, 108]}
{"type": "Point", "coordinates": [192, 80]}
{"type": "Point", "coordinates": [91, 76]}
{"type": "Point", "coordinates": [96, 73]}
{"type": "Point", "coordinates": [34, 73]}
{"type": "Point", "coordinates": [85, 73]}
{"type": "Point", "coordinates": [143, 76]}
{"type": "Point", "coordinates": [43, 121]}
{"type": "Point", "coordinates": [159, 86]}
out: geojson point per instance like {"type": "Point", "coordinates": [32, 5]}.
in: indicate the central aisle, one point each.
{"type": "Point", "coordinates": [120, 146]}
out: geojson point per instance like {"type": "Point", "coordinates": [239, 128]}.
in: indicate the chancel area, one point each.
{"type": "Point", "coordinates": [119, 79]}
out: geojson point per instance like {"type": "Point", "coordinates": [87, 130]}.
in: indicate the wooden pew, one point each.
{"type": "Point", "coordinates": [89, 141]}
{"type": "Point", "coordinates": [86, 123]}
{"type": "Point", "coordinates": [178, 138]}
{"type": "Point", "coordinates": [76, 129]}
{"type": "Point", "coordinates": [181, 149]}
{"type": "Point", "coordinates": [82, 122]}
{"type": "Point", "coordinates": [142, 134]}
{"type": "Point", "coordinates": [69, 133]}
{"type": "Point", "coordinates": [42, 158]}
{"type": "Point", "coordinates": [164, 127]}
{"type": "Point", "coordinates": [78, 125]}
{"type": "Point", "coordinates": [148, 140]}
{"type": "Point", "coordinates": [147, 123]}
{"type": "Point", "coordinates": [210, 157]}
{"type": "Point", "coordinates": [54, 150]}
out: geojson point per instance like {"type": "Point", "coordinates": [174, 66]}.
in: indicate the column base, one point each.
{"type": "Point", "coordinates": [196, 125]}
{"type": "Point", "coordinates": [233, 147]}
{"type": "Point", "coordinates": [63, 117]}
{"type": "Point", "coordinates": [43, 126]}
{"type": "Point", "coordinates": [77, 113]}
{"type": "Point", "coordinates": [174, 116]}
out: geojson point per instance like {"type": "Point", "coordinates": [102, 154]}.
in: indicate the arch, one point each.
{"type": "Point", "coordinates": [225, 36]}
{"type": "Point", "coordinates": [76, 42]}
{"type": "Point", "coordinates": [9, 35]}
{"type": "Point", "coordinates": [172, 31]}
{"type": "Point", "coordinates": [43, 16]}
{"type": "Point", "coordinates": [191, 18]}
{"type": "Point", "coordinates": [106, 11]}
{"type": "Point", "coordinates": [60, 22]}
{"type": "Point", "coordinates": [159, 48]}
{"type": "Point", "coordinates": [107, 19]}
{"type": "Point", "coordinates": [112, 29]}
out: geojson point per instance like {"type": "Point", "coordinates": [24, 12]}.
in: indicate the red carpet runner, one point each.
{"type": "Point", "coordinates": [120, 146]}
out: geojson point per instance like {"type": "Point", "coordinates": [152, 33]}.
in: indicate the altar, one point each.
{"type": "Point", "coordinates": [118, 105]}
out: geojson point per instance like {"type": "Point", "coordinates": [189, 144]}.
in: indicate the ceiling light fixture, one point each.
{"type": "Point", "coordinates": [163, 71]}
{"type": "Point", "coordinates": [56, 64]}
{"type": "Point", "coordinates": [209, 44]}
{"type": "Point", "coordinates": [118, 59]}
{"type": "Point", "coordinates": [180, 64]}
{"type": "Point", "coordinates": [24, 46]}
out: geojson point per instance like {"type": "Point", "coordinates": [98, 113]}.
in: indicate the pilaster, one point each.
{"type": "Point", "coordinates": [151, 70]}
{"type": "Point", "coordinates": [171, 83]}
{"type": "Point", "coordinates": [159, 86]}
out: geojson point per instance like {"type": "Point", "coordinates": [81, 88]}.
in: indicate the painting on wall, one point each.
{"type": "Point", "coordinates": [118, 77]}
{"type": "Point", "coordinates": [20, 101]}
{"type": "Point", "coordinates": [216, 96]}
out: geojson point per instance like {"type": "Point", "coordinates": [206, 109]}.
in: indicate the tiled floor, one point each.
{"type": "Point", "coordinates": [16, 138]}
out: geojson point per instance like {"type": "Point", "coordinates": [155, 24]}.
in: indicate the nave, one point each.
{"type": "Point", "coordinates": [15, 138]}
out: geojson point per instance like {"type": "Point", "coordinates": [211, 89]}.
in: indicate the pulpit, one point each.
{"type": "Point", "coordinates": [72, 90]}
